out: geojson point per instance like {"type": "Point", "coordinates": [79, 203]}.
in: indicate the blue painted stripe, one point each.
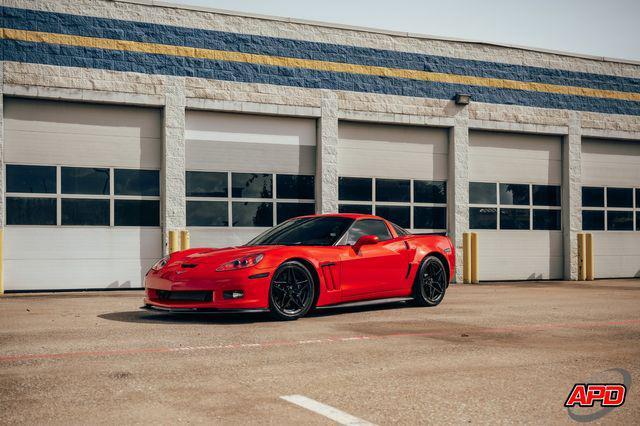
{"type": "Point", "coordinates": [180, 36]}
{"type": "Point", "coordinates": [251, 73]}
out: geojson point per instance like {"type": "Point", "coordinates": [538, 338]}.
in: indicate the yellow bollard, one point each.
{"type": "Point", "coordinates": [466, 258]}
{"type": "Point", "coordinates": [173, 242]}
{"type": "Point", "coordinates": [582, 254]}
{"type": "Point", "coordinates": [474, 258]}
{"type": "Point", "coordinates": [589, 267]}
{"type": "Point", "coordinates": [184, 240]}
{"type": "Point", "coordinates": [1, 261]}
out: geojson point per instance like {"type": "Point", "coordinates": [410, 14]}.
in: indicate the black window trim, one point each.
{"type": "Point", "coordinates": [634, 209]}
{"type": "Point", "coordinates": [230, 199]}
{"type": "Point", "coordinates": [59, 195]}
{"type": "Point", "coordinates": [411, 203]}
{"type": "Point", "coordinates": [531, 207]}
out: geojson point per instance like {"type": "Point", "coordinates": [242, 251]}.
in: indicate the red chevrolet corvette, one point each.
{"type": "Point", "coordinates": [306, 262]}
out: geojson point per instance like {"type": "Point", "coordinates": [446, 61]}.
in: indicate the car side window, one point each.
{"type": "Point", "coordinates": [368, 227]}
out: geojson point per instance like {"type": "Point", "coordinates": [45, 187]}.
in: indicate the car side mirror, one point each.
{"type": "Point", "coordinates": [365, 240]}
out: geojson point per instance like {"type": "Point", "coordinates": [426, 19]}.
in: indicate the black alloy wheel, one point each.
{"type": "Point", "coordinates": [431, 282]}
{"type": "Point", "coordinates": [291, 294]}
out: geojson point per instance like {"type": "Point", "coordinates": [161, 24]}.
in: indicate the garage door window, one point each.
{"type": "Point", "coordinates": [609, 209]}
{"type": "Point", "coordinates": [514, 206]}
{"type": "Point", "coordinates": [82, 196]}
{"type": "Point", "coordinates": [224, 199]}
{"type": "Point", "coordinates": [410, 203]}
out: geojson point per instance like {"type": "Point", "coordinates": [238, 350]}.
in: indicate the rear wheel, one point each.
{"type": "Point", "coordinates": [291, 293]}
{"type": "Point", "coordinates": [431, 282]}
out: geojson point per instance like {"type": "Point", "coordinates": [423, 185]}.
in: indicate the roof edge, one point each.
{"type": "Point", "coordinates": [168, 4]}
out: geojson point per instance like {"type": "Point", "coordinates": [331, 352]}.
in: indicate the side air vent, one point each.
{"type": "Point", "coordinates": [189, 265]}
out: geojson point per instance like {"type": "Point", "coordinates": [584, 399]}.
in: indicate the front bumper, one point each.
{"type": "Point", "coordinates": [199, 310]}
{"type": "Point", "coordinates": [252, 283]}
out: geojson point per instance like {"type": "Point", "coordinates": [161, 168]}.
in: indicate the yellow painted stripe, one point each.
{"type": "Point", "coordinates": [221, 55]}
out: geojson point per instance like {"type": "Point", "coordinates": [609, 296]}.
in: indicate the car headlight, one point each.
{"type": "Point", "coordinates": [241, 263]}
{"type": "Point", "coordinates": [160, 263]}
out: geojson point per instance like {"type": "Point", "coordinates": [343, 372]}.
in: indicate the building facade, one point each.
{"type": "Point", "coordinates": [122, 120]}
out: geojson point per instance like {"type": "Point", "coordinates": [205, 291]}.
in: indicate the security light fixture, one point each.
{"type": "Point", "coordinates": [462, 99]}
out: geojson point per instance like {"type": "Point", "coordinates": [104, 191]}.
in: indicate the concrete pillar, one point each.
{"type": "Point", "coordinates": [572, 195]}
{"type": "Point", "coordinates": [327, 155]}
{"type": "Point", "coordinates": [458, 183]}
{"type": "Point", "coordinates": [173, 199]}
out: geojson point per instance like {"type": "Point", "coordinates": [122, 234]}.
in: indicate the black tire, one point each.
{"type": "Point", "coordinates": [292, 291]}
{"type": "Point", "coordinates": [431, 282]}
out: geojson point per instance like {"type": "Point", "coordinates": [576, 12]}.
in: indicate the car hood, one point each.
{"type": "Point", "coordinates": [223, 255]}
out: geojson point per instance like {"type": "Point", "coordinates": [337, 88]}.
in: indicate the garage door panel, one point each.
{"type": "Point", "coordinates": [610, 163]}
{"type": "Point", "coordinates": [250, 157]}
{"type": "Point", "coordinates": [392, 151]}
{"type": "Point", "coordinates": [222, 237]}
{"type": "Point", "coordinates": [520, 255]}
{"type": "Point", "coordinates": [45, 132]}
{"type": "Point", "coordinates": [48, 258]}
{"type": "Point", "coordinates": [616, 254]}
{"type": "Point", "coordinates": [505, 157]}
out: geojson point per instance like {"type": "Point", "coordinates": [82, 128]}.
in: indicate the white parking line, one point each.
{"type": "Point", "coordinates": [326, 410]}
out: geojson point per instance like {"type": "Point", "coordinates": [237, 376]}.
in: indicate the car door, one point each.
{"type": "Point", "coordinates": [376, 268]}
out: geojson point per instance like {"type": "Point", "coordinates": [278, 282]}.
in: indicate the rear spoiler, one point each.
{"type": "Point", "coordinates": [442, 234]}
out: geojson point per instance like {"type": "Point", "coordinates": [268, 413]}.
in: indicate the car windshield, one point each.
{"type": "Point", "coordinates": [306, 231]}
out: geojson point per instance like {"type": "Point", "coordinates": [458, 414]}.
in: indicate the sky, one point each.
{"type": "Point", "coordinates": [608, 28]}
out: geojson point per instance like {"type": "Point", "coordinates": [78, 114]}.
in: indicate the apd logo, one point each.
{"type": "Point", "coordinates": [605, 396]}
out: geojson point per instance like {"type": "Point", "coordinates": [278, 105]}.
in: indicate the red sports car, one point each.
{"type": "Point", "coordinates": [306, 262]}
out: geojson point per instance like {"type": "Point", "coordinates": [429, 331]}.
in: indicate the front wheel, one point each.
{"type": "Point", "coordinates": [431, 282]}
{"type": "Point", "coordinates": [291, 293]}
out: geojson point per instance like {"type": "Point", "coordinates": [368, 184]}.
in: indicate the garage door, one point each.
{"type": "Point", "coordinates": [397, 172]}
{"type": "Point", "coordinates": [82, 195]}
{"type": "Point", "coordinates": [611, 205]}
{"type": "Point", "coordinates": [246, 173]}
{"type": "Point", "coordinates": [514, 205]}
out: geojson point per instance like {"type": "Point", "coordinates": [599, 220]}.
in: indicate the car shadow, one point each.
{"type": "Point", "coordinates": [146, 317]}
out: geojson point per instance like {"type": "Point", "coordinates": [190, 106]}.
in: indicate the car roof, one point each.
{"type": "Point", "coordinates": [346, 215]}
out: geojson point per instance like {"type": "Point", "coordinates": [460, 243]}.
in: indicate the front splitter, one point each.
{"type": "Point", "coordinates": [200, 310]}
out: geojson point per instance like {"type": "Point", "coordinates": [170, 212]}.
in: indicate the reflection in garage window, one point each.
{"type": "Point", "coordinates": [78, 211]}
{"type": "Point", "coordinates": [137, 213]}
{"type": "Point", "coordinates": [609, 208]}
{"type": "Point", "coordinates": [354, 189]}
{"type": "Point", "coordinates": [206, 184]}
{"type": "Point", "coordinates": [252, 214]}
{"type": "Point", "coordinates": [397, 190]}
{"type": "Point", "coordinates": [400, 215]}
{"type": "Point", "coordinates": [250, 196]}
{"type": "Point", "coordinates": [592, 197]}
{"type": "Point", "coordinates": [395, 199]}
{"type": "Point", "coordinates": [137, 182]}
{"type": "Point", "coordinates": [593, 220]}
{"type": "Point", "coordinates": [547, 219]}
{"type": "Point", "coordinates": [31, 179]}
{"type": "Point", "coordinates": [514, 218]}
{"type": "Point", "coordinates": [31, 211]}
{"type": "Point", "coordinates": [286, 211]}
{"type": "Point", "coordinates": [516, 194]}
{"type": "Point", "coordinates": [482, 193]}
{"type": "Point", "coordinates": [430, 217]}
{"type": "Point", "coordinates": [483, 218]}
{"type": "Point", "coordinates": [85, 180]}
{"type": "Point", "coordinates": [295, 187]}
{"type": "Point", "coordinates": [252, 185]}
{"type": "Point", "coordinates": [619, 220]}
{"type": "Point", "coordinates": [546, 195]}
{"type": "Point", "coordinates": [429, 191]}
{"type": "Point", "coordinates": [355, 208]}
{"type": "Point", "coordinates": [207, 213]}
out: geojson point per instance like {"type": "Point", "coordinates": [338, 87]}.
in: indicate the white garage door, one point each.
{"type": "Point", "coordinates": [246, 173]}
{"type": "Point", "coordinates": [611, 205]}
{"type": "Point", "coordinates": [514, 196]}
{"type": "Point", "coordinates": [82, 195]}
{"type": "Point", "coordinates": [397, 172]}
